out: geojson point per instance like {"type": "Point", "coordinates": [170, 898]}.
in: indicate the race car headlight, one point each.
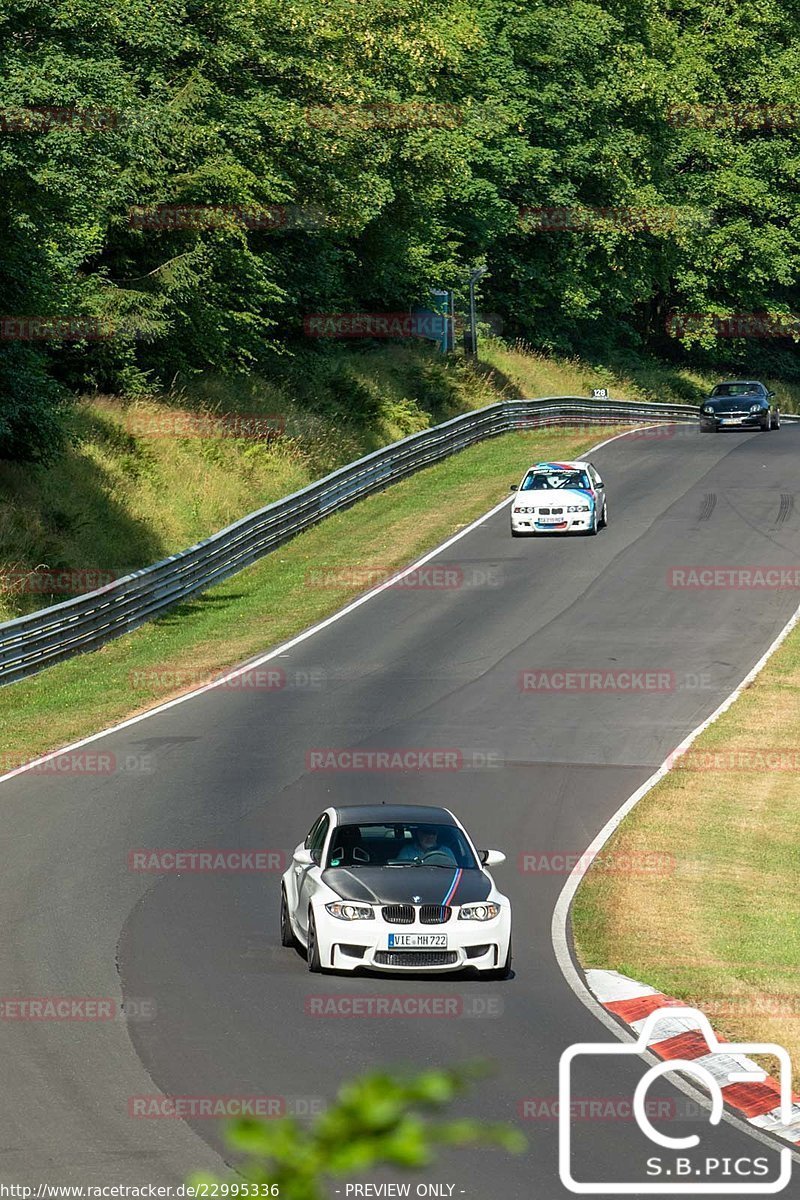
{"type": "Point", "coordinates": [578, 508]}
{"type": "Point", "coordinates": [754, 408]}
{"type": "Point", "coordinates": [478, 912]}
{"type": "Point", "coordinates": [521, 509]}
{"type": "Point", "coordinates": [346, 911]}
{"type": "Point", "coordinates": [708, 410]}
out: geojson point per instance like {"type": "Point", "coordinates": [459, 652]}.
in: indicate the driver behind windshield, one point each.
{"type": "Point", "coordinates": [537, 481]}
{"type": "Point", "coordinates": [736, 389]}
{"type": "Point", "coordinates": [425, 841]}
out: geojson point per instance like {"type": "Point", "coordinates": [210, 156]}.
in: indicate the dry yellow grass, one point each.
{"type": "Point", "coordinates": [721, 930]}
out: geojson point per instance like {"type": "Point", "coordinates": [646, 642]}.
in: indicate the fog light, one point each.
{"type": "Point", "coordinates": [476, 951]}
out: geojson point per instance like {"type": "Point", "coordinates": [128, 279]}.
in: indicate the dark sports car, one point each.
{"type": "Point", "coordinates": [739, 404]}
{"type": "Point", "coordinates": [395, 888]}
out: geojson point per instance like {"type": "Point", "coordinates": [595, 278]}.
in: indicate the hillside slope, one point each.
{"type": "Point", "coordinates": [133, 487]}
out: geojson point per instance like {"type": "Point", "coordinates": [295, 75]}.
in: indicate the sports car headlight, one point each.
{"type": "Point", "coordinates": [346, 911]}
{"type": "Point", "coordinates": [754, 408]}
{"type": "Point", "coordinates": [478, 912]}
{"type": "Point", "coordinates": [578, 508]}
{"type": "Point", "coordinates": [708, 410]}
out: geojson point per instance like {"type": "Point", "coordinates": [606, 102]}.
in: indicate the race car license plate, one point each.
{"type": "Point", "coordinates": [551, 520]}
{"type": "Point", "coordinates": [731, 420]}
{"type": "Point", "coordinates": [417, 941]}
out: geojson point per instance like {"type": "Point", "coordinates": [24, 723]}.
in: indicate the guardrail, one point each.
{"type": "Point", "coordinates": [29, 644]}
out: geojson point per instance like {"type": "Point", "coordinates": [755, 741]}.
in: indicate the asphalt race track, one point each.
{"type": "Point", "coordinates": [416, 667]}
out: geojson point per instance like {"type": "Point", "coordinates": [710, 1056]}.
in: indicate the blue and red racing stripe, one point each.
{"type": "Point", "coordinates": [451, 891]}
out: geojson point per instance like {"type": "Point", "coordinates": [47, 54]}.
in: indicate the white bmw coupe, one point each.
{"type": "Point", "coordinates": [397, 888]}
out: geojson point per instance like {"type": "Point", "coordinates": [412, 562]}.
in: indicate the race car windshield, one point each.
{"type": "Point", "coordinates": [400, 844]}
{"type": "Point", "coordinates": [536, 481]}
{"type": "Point", "coordinates": [736, 389]}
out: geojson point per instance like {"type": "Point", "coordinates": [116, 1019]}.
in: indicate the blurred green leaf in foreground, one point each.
{"type": "Point", "coordinates": [377, 1120]}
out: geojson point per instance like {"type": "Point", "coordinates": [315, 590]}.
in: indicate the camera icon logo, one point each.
{"type": "Point", "coordinates": [730, 1070]}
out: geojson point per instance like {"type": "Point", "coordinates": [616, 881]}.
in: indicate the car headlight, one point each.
{"type": "Point", "coordinates": [708, 410]}
{"type": "Point", "coordinates": [578, 508]}
{"type": "Point", "coordinates": [754, 408]}
{"type": "Point", "coordinates": [346, 911]}
{"type": "Point", "coordinates": [522, 509]}
{"type": "Point", "coordinates": [478, 912]}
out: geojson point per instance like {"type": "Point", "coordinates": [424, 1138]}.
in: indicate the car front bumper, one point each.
{"type": "Point", "coordinates": [351, 946]}
{"type": "Point", "coordinates": [571, 523]}
{"type": "Point", "coordinates": [745, 421]}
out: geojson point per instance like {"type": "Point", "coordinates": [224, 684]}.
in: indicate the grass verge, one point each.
{"type": "Point", "coordinates": [720, 927]}
{"type": "Point", "coordinates": [270, 601]}
{"type": "Point", "coordinates": [130, 490]}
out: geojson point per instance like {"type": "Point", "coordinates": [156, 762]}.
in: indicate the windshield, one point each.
{"type": "Point", "coordinates": [544, 480]}
{"type": "Point", "coordinates": [737, 389]}
{"type": "Point", "coordinates": [400, 844]}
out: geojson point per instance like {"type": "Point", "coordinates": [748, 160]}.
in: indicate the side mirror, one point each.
{"type": "Point", "coordinates": [492, 858]}
{"type": "Point", "coordinates": [600, 484]}
{"type": "Point", "coordinates": [303, 857]}
{"type": "Point", "coordinates": [513, 488]}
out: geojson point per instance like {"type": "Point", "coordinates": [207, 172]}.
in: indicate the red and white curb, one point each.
{"type": "Point", "coordinates": [679, 1036]}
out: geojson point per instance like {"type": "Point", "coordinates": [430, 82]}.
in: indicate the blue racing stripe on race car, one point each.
{"type": "Point", "coordinates": [451, 891]}
{"type": "Point", "coordinates": [592, 495]}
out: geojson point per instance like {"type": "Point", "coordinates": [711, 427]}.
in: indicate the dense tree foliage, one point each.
{"type": "Point", "coordinates": [399, 141]}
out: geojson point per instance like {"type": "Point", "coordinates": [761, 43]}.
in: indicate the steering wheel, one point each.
{"type": "Point", "coordinates": [440, 856]}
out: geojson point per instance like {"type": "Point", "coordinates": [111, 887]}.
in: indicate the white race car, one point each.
{"type": "Point", "coordinates": [396, 888]}
{"type": "Point", "coordinates": [559, 497]}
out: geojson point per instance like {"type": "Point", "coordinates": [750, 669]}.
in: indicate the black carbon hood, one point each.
{"type": "Point", "coordinates": [406, 885]}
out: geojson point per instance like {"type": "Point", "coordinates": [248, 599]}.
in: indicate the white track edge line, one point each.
{"type": "Point", "coordinates": [225, 676]}
{"type": "Point", "coordinates": [560, 922]}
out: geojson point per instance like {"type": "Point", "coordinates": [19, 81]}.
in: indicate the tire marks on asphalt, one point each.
{"type": "Point", "coordinates": [785, 509]}
{"type": "Point", "coordinates": [708, 505]}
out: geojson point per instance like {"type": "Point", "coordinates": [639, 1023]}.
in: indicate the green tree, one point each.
{"type": "Point", "coordinates": [417, 132]}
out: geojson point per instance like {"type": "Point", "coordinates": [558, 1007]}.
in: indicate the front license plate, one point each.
{"type": "Point", "coordinates": [417, 941]}
{"type": "Point", "coordinates": [731, 420]}
{"type": "Point", "coordinates": [551, 520]}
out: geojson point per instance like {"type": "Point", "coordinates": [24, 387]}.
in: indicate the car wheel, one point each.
{"type": "Point", "coordinates": [592, 530]}
{"type": "Point", "coordinates": [776, 421]}
{"type": "Point", "coordinates": [503, 972]}
{"type": "Point", "coordinates": [312, 947]}
{"type": "Point", "coordinates": [287, 933]}
{"type": "Point", "coordinates": [604, 518]}
{"type": "Point", "coordinates": [766, 425]}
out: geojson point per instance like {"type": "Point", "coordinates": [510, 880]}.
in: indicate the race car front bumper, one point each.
{"type": "Point", "coordinates": [569, 523]}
